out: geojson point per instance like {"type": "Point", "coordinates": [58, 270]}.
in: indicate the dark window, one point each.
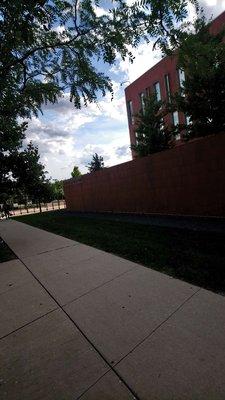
{"type": "Point", "coordinates": [148, 92]}
{"type": "Point", "coordinates": [167, 84]}
{"type": "Point", "coordinates": [130, 112]}
{"type": "Point", "coordinates": [188, 119]}
{"type": "Point", "coordinates": [175, 116]}
{"type": "Point", "coordinates": [157, 91]}
{"type": "Point", "coordinates": [136, 137]}
{"type": "Point", "coordinates": [142, 101]}
{"type": "Point", "coordinates": [162, 125]}
{"type": "Point", "coordinates": [181, 76]}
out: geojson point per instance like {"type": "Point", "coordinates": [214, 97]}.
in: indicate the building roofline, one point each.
{"type": "Point", "coordinates": [146, 72]}
{"type": "Point", "coordinates": [220, 16]}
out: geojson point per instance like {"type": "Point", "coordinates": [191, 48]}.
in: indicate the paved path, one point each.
{"type": "Point", "coordinates": [79, 323]}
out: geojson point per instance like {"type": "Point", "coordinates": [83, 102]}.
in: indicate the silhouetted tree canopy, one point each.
{"type": "Point", "coordinates": [202, 98]}
{"type": "Point", "coordinates": [96, 164]}
{"type": "Point", "coordinates": [75, 173]}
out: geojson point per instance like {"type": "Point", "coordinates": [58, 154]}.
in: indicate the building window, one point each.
{"type": "Point", "coordinates": [167, 84]}
{"type": "Point", "coordinates": [136, 138]}
{"type": "Point", "coordinates": [142, 101]}
{"type": "Point", "coordinates": [148, 92]}
{"type": "Point", "coordinates": [181, 75]}
{"type": "Point", "coordinates": [162, 125]}
{"type": "Point", "coordinates": [175, 116]}
{"type": "Point", "coordinates": [157, 91]}
{"type": "Point", "coordinates": [130, 112]}
{"type": "Point", "coordinates": [188, 119]}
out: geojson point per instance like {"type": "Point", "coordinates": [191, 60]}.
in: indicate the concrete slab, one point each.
{"type": "Point", "coordinates": [79, 278]}
{"type": "Point", "coordinates": [48, 360]}
{"type": "Point", "coordinates": [184, 359]}
{"type": "Point", "coordinates": [43, 265]}
{"type": "Point", "coordinates": [23, 304]}
{"type": "Point", "coordinates": [109, 387]}
{"type": "Point", "coordinates": [12, 274]}
{"type": "Point", "coordinates": [120, 314]}
{"type": "Point", "coordinates": [25, 240]}
{"type": "Point", "coordinates": [164, 336]}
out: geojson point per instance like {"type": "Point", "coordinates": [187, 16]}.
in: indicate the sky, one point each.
{"type": "Point", "coordinates": [67, 137]}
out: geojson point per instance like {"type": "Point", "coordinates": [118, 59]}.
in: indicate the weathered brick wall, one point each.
{"type": "Point", "coordinates": [186, 180]}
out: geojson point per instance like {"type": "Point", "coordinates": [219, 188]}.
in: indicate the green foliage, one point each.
{"type": "Point", "coordinates": [53, 45]}
{"type": "Point", "coordinates": [202, 57]}
{"type": "Point", "coordinates": [43, 192]}
{"type": "Point", "coordinates": [96, 164]}
{"type": "Point", "coordinates": [57, 188]}
{"type": "Point", "coordinates": [11, 135]}
{"type": "Point", "coordinates": [75, 173]}
{"type": "Point", "coordinates": [151, 134]}
{"type": "Point", "coordinates": [29, 176]}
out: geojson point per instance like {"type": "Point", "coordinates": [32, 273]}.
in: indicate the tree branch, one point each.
{"type": "Point", "coordinates": [58, 44]}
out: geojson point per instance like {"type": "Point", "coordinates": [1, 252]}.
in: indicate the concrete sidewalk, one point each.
{"type": "Point", "coordinates": [79, 323]}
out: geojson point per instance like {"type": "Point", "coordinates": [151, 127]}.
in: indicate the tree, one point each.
{"type": "Point", "coordinates": [96, 164]}
{"type": "Point", "coordinates": [151, 134]}
{"type": "Point", "coordinates": [49, 47]}
{"type": "Point", "coordinates": [29, 176]}
{"type": "Point", "coordinates": [11, 135]}
{"type": "Point", "coordinates": [57, 188]}
{"type": "Point", "coordinates": [75, 173]}
{"type": "Point", "coordinates": [202, 99]}
{"type": "Point", "coordinates": [53, 43]}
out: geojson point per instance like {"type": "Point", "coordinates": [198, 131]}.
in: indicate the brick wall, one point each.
{"type": "Point", "coordinates": [186, 180]}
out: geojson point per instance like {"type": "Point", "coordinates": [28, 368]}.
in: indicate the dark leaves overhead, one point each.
{"type": "Point", "coordinates": [57, 42]}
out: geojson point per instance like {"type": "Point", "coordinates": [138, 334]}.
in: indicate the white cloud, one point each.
{"type": "Point", "coordinates": [144, 58]}
{"type": "Point", "coordinates": [191, 12]}
{"type": "Point", "coordinates": [59, 29]}
{"type": "Point", "coordinates": [99, 11]}
{"type": "Point", "coordinates": [112, 152]}
{"type": "Point", "coordinates": [67, 137]}
{"type": "Point", "coordinates": [122, 151]}
{"type": "Point", "coordinates": [212, 8]}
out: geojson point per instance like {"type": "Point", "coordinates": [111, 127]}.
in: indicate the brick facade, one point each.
{"type": "Point", "coordinates": [185, 180]}
{"type": "Point", "coordinates": [157, 74]}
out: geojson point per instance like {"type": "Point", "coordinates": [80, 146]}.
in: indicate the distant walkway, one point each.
{"type": "Point", "coordinates": [35, 208]}
{"type": "Point", "coordinates": [208, 224]}
{"type": "Point", "coordinates": [79, 323]}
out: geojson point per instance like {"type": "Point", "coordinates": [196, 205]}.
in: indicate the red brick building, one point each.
{"type": "Point", "coordinates": [164, 78]}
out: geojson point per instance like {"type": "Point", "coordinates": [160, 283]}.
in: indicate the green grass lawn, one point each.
{"type": "Point", "coordinates": [196, 257]}
{"type": "Point", "coordinates": [6, 253]}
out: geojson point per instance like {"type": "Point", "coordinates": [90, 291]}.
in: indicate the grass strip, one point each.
{"type": "Point", "coordinates": [196, 257]}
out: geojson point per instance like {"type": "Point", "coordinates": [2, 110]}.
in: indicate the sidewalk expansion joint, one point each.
{"type": "Point", "coordinates": [27, 324]}
{"type": "Point", "coordinates": [58, 248]}
{"type": "Point", "coordinates": [136, 397]}
{"type": "Point", "coordinates": [99, 286]}
{"type": "Point", "coordinates": [158, 326]}
{"type": "Point", "coordinates": [93, 385]}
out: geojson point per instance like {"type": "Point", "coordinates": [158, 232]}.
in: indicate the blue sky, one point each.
{"type": "Point", "coordinates": [67, 137]}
